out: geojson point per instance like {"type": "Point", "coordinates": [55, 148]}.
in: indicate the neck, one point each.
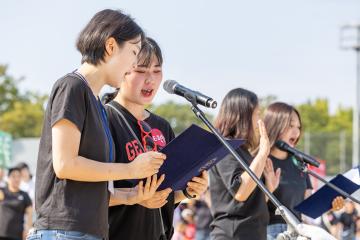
{"type": "Point", "coordinates": [279, 154]}
{"type": "Point", "coordinates": [12, 188]}
{"type": "Point", "coordinates": [94, 77]}
{"type": "Point", "coordinates": [137, 110]}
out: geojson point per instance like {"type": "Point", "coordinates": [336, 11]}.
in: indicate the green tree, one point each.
{"type": "Point", "coordinates": [9, 92]}
{"type": "Point", "coordinates": [21, 115]}
{"type": "Point", "coordinates": [180, 116]}
{"type": "Point", "coordinates": [324, 133]}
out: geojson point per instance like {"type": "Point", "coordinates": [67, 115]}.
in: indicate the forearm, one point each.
{"type": "Point", "coordinates": [28, 218]}
{"type": "Point", "coordinates": [28, 222]}
{"type": "Point", "coordinates": [270, 190]}
{"type": "Point", "coordinates": [248, 185]}
{"type": "Point", "coordinates": [308, 193]}
{"type": "Point", "coordinates": [86, 170]}
{"type": "Point", "coordinates": [121, 197]}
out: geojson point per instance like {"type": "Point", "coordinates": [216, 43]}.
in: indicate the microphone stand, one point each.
{"type": "Point", "coordinates": [304, 168]}
{"type": "Point", "coordinates": [286, 214]}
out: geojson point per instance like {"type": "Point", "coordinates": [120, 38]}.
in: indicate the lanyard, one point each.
{"type": "Point", "coordinates": [101, 110]}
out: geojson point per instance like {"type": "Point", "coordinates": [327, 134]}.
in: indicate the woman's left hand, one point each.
{"type": "Point", "coordinates": [272, 178]}
{"type": "Point", "coordinates": [198, 185]}
{"type": "Point", "coordinates": [338, 203]}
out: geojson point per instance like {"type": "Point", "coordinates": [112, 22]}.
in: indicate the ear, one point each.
{"type": "Point", "coordinates": [110, 46]}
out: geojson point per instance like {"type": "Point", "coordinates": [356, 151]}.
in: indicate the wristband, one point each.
{"type": "Point", "coordinates": [187, 194]}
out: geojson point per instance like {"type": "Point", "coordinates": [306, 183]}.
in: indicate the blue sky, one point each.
{"type": "Point", "coordinates": [285, 48]}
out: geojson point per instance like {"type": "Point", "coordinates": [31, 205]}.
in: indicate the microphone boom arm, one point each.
{"type": "Point", "coordinates": [303, 167]}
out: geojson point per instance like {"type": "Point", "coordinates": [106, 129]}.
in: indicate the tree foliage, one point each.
{"type": "Point", "coordinates": [180, 116]}
{"type": "Point", "coordinates": [21, 114]}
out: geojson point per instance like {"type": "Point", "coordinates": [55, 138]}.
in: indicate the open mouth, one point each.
{"type": "Point", "coordinates": [147, 92]}
{"type": "Point", "coordinates": [292, 141]}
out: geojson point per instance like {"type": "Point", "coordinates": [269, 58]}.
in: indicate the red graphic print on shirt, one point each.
{"type": "Point", "coordinates": [133, 149]}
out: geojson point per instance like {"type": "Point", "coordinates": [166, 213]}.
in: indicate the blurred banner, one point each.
{"type": "Point", "coordinates": [5, 149]}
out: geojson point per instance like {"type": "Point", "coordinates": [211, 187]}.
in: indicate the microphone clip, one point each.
{"type": "Point", "coordinates": [191, 97]}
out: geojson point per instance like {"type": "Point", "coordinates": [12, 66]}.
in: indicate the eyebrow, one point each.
{"type": "Point", "coordinates": [146, 66]}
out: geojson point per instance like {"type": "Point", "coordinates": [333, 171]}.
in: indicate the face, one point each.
{"type": "Point", "coordinates": [14, 179]}
{"type": "Point", "coordinates": [25, 174]}
{"type": "Point", "coordinates": [141, 83]}
{"type": "Point", "coordinates": [120, 60]}
{"type": "Point", "coordinates": [292, 132]}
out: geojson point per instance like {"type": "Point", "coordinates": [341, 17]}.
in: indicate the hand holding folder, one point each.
{"type": "Point", "coordinates": [192, 152]}
{"type": "Point", "coordinates": [321, 201]}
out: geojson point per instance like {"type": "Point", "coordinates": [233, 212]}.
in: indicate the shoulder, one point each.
{"type": "Point", "coordinates": [25, 197]}
{"type": "Point", "coordinates": [112, 111]}
{"type": "Point", "coordinates": [70, 82]}
{"type": "Point", "coordinates": [158, 120]}
{"type": "Point", "coordinates": [244, 153]}
{"type": "Point", "coordinates": [25, 194]}
{"type": "Point", "coordinates": [113, 108]}
{"type": "Point", "coordinates": [161, 123]}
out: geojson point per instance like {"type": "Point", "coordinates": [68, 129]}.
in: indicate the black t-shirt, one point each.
{"type": "Point", "coordinates": [64, 204]}
{"type": "Point", "coordinates": [291, 189]}
{"type": "Point", "coordinates": [233, 219]}
{"type": "Point", "coordinates": [135, 222]}
{"type": "Point", "coordinates": [348, 220]}
{"type": "Point", "coordinates": [203, 216]}
{"type": "Point", "coordinates": [12, 211]}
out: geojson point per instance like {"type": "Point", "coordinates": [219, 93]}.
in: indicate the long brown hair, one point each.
{"type": "Point", "coordinates": [277, 119]}
{"type": "Point", "coordinates": [235, 116]}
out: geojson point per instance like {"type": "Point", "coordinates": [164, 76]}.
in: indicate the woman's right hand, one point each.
{"type": "Point", "coordinates": [146, 164]}
{"type": "Point", "coordinates": [272, 178]}
{"type": "Point", "coordinates": [141, 192]}
{"type": "Point", "coordinates": [264, 145]}
{"type": "Point", "coordinates": [158, 200]}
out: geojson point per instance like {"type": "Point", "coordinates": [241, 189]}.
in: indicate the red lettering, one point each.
{"type": "Point", "coordinates": [132, 150]}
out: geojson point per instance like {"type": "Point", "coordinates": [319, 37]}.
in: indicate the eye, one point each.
{"type": "Point", "coordinates": [135, 53]}
{"type": "Point", "coordinates": [141, 70]}
{"type": "Point", "coordinates": [157, 71]}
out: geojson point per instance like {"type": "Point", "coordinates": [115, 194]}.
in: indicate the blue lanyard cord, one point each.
{"type": "Point", "coordinates": [101, 110]}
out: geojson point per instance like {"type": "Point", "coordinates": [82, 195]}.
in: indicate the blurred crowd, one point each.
{"type": "Point", "coordinates": [17, 192]}
{"type": "Point", "coordinates": [192, 218]}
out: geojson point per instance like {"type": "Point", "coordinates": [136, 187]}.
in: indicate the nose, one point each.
{"type": "Point", "coordinates": [149, 78]}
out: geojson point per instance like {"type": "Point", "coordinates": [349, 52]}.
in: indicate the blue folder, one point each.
{"type": "Point", "coordinates": [189, 154]}
{"type": "Point", "coordinates": [321, 201]}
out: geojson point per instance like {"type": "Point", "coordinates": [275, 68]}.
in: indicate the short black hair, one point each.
{"type": "Point", "coordinates": [22, 165]}
{"type": "Point", "coordinates": [13, 169]}
{"type": "Point", "coordinates": [105, 24]}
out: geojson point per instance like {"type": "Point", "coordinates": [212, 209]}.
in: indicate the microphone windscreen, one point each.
{"type": "Point", "coordinates": [169, 86]}
{"type": "Point", "coordinates": [280, 144]}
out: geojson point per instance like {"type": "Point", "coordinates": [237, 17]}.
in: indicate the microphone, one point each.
{"type": "Point", "coordinates": [304, 157]}
{"type": "Point", "coordinates": [173, 87]}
